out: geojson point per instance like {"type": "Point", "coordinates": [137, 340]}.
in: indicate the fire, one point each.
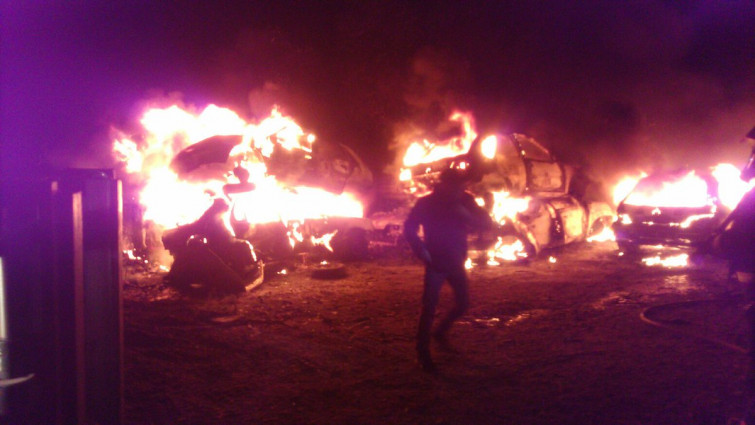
{"type": "Point", "coordinates": [604, 235]}
{"type": "Point", "coordinates": [171, 199]}
{"type": "Point", "coordinates": [505, 206]}
{"type": "Point", "coordinates": [625, 186]}
{"type": "Point", "coordinates": [324, 240]}
{"type": "Point", "coordinates": [689, 190]}
{"type": "Point", "coordinates": [506, 251]}
{"type": "Point", "coordinates": [672, 261]}
{"type": "Point", "coordinates": [731, 187]}
{"type": "Point", "coordinates": [489, 146]}
{"type": "Point", "coordinates": [424, 151]}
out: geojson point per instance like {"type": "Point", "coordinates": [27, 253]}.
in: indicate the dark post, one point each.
{"type": "Point", "coordinates": [60, 244]}
{"type": "Point", "coordinates": [103, 320]}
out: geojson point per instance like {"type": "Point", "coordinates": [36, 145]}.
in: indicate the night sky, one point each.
{"type": "Point", "coordinates": [611, 86]}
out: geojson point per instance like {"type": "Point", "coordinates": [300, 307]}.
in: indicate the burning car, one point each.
{"type": "Point", "coordinates": [526, 190]}
{"type": "Point", "coordinates": [679, 208]}
{"type": "Point", "coordinates": [215, 189]}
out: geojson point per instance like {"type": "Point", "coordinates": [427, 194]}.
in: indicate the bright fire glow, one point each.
{"type": "Point", "coordinates": [680, 260]}
{"type": "Point", "coordinates": [731, 187]}
{"type": "Point", "coordinates": [625, 186]}
{"type": "Point", "coordinates": [506, 251]}
{"type": "Point", "coordinates": [424, 151]}
{"type": "Point", "coordinates": [489, 146]}
{"type": "Point", "coordinates": [604, 235]}
{"type": "Point", "coordinates": [170, 200]}
{"type": "Point", "coordinates": [690, 190]}
{"type": "Point", "coordinates": [324, 240]}
{"type": "Point", "coordinates": [507, 207]}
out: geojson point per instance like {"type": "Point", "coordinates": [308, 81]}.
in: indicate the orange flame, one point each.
{"type": "Point", "coordinates": [506, 251]}
{"type": "Point", "coordinates": [688, 191]}
{"type": "Point", "coordinates": [731, 187]}
{"type": "Point", "coordinates": [504, 206]}
{"type": "Point", "coordinates": [324, 240]}
{"type": "Point", "coordinates": [422, 152]}
{"type": "Point", "coordinates": [170, 201]}
{"type": "Point", "coordinates": [672, 261]}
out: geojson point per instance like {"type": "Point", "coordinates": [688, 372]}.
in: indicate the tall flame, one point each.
{"type": "Point", "coordinates": [424, 151]}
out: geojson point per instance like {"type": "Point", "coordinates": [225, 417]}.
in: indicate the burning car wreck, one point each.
{"type": "Point", "coordinates": [208, 258]}
{"type": "Point", "coordinates": [247, 200]}
{"type": "Point", "coordinates": [526, 190]}
{"type": "Point", "coordinates": [678, 208]}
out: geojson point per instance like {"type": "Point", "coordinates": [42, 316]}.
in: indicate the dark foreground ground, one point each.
{"type": "Point", "coordinates": [590, 339]}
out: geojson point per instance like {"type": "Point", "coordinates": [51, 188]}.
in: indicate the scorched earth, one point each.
{"type": "Point", "coordinates": [576, 336]}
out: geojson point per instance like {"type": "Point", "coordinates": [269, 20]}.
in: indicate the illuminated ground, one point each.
{"type": "Point", "coordinates": [543, 343]}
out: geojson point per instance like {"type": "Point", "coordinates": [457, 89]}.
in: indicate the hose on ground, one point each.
{"type": "Point", "coordinates": [648, 311]}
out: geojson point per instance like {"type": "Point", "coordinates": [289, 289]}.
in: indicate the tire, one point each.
{"type": "Point", "coordinates": [628, 247]}
{"type": "Point", "coordinates": [329, 271]}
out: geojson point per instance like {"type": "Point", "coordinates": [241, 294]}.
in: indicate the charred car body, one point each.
{"type": "Point", "coordinates": [527, 191]}
{"type": "Point", "coordinates": [678, 208]}
{"type": "Point", "coordinates": [229, 251]}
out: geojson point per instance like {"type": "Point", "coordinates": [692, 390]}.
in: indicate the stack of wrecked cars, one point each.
{"type": "Point", "coordinates": [537, 201]}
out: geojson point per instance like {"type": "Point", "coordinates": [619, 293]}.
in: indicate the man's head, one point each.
{"type": "Point", "coordinates": [748, 172]}
{"type": "Point", "coordinates": [453, 178]}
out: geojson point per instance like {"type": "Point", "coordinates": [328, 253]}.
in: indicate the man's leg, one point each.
{"type": "Point", "coordinates": [433, 282]}
{"type": "Point", "coordinates": [460, 286]}
{"type": "Point", "coordinates": [748, 280]}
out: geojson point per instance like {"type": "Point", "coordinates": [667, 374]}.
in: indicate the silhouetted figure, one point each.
{"type": "Point", "coordinates": [447, 216]}
{"type": "Point", "coordinates": [736, 241]}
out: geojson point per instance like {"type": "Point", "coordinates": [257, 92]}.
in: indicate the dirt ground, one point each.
{"type": "Point", "coordinates": [592, 338]}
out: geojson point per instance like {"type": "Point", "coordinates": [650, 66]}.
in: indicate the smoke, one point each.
{"type": "Point", "coordinates": [609, 86]}
{"type": "Point", "coordinates": [612, 88]}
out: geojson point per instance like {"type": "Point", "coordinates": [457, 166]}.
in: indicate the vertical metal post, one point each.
{"type": "Point", "coordinates": [103, 320]}
{"type": "Point", "coordinates": [60, 242]}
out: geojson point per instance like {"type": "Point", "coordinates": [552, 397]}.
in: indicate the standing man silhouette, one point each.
{"type": "Point", "coordinates": [447, 216]}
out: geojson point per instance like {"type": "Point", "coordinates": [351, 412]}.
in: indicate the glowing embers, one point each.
{"type": "Point", "coordinates": [668, 261]}
{"type": "Point", "coordinates": [605, 235]}
{"type": "Point", "coordinates": [508, 248]}
{"type": "Point", "coordinates": [660, 256]}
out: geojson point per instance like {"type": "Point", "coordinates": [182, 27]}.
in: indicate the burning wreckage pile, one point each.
{"type": "Point", "coordinates": [218, 199]}
{"type": "Point", "coordinates": [230, 201]}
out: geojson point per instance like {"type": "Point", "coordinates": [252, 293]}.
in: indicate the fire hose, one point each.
{"type": "Point", "coordinates": [660, 324]}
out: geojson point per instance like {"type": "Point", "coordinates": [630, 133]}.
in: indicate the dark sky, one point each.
{"type": "Point", "coordinates": [609, 85]}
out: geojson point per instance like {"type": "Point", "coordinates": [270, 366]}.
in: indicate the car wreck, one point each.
{"type": "Point", "coordinates": [679, 208]}
{"type": "Point", "coordinates": [225, 210]}
{"type": "Point", "coordinates": [528, 192]}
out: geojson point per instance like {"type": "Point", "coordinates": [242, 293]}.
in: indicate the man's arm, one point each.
{"type": "Point", "coordinates": [478, 218]}
{"type": "Point", "coordinates": [411, 234]}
